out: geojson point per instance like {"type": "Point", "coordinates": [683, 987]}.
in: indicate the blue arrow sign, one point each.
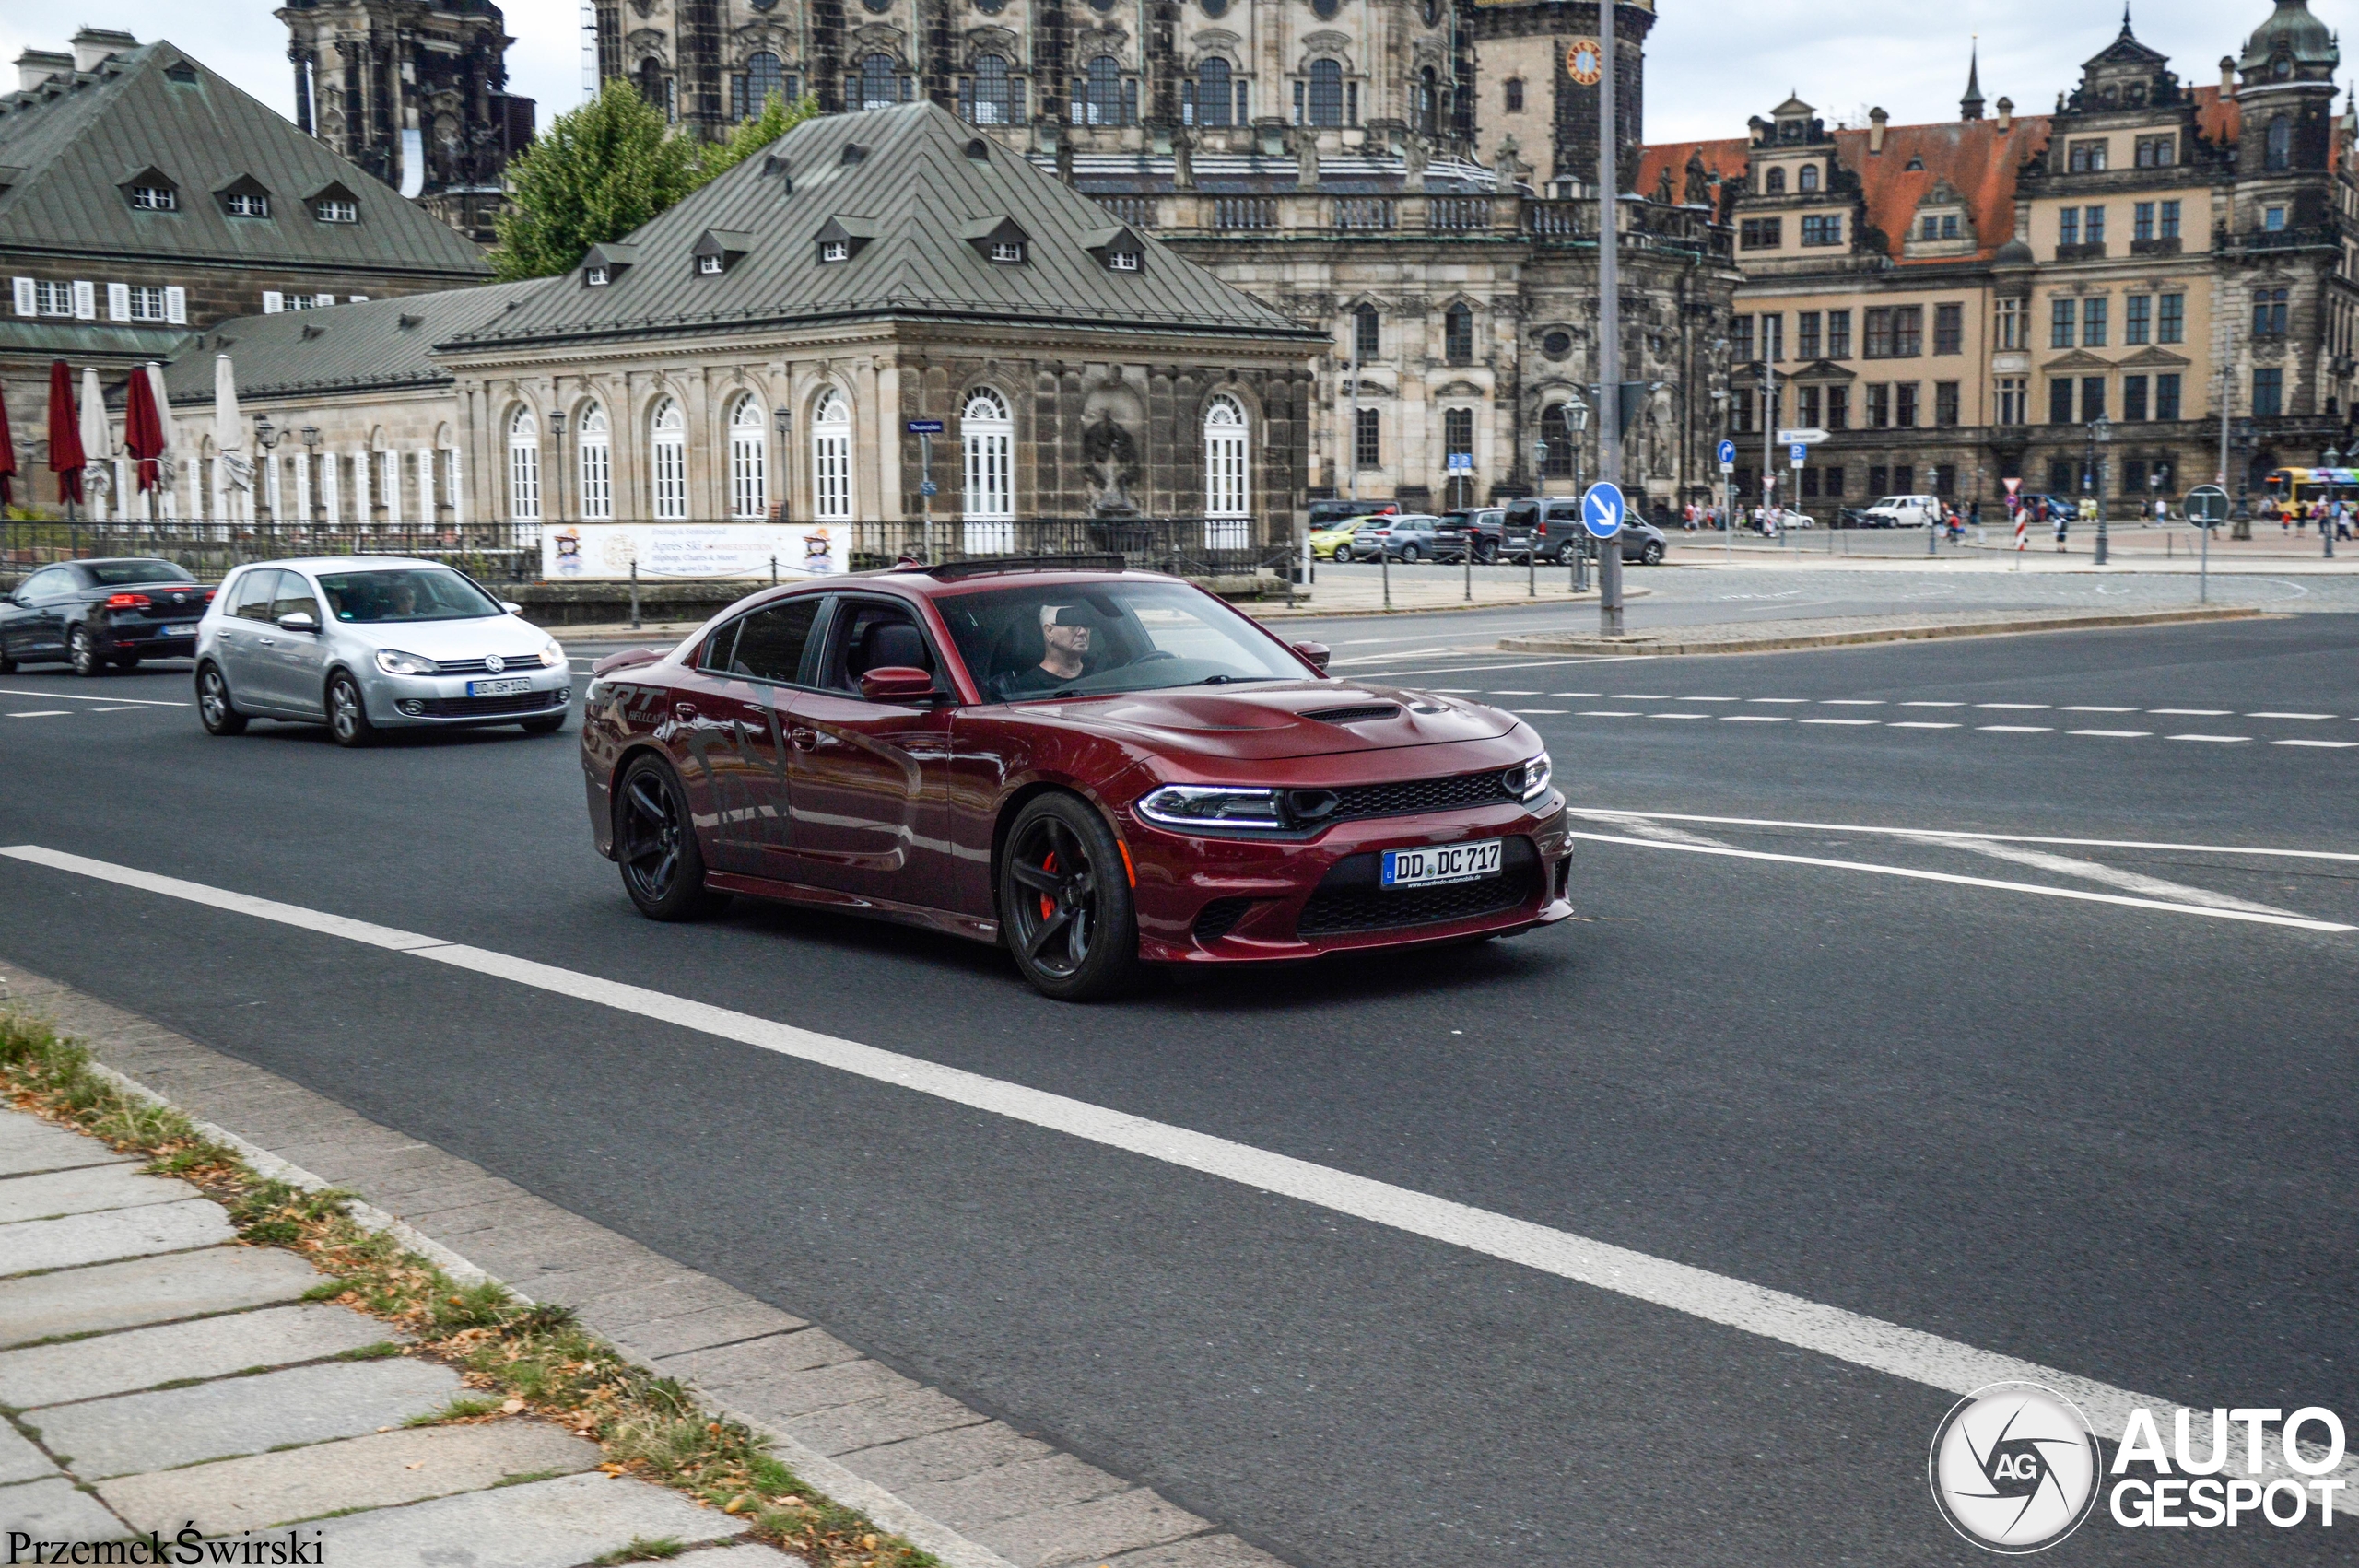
{"type": "Point", "coordinates": [1601, 510]}
{"type": "Point", "coordinates": [1728, 455]}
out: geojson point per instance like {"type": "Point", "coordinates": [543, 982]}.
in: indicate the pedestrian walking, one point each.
{"type": "Point", "coordinates": [2063, 527]}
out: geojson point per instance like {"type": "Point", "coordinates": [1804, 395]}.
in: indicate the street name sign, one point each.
{"type": "Point", "coordinates": [1809, 438]}
{"type": "Point", "coordinates": [925, 426]}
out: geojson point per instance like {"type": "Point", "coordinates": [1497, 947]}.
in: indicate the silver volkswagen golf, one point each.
{"type": "Point", "coordinates": [365, 643]}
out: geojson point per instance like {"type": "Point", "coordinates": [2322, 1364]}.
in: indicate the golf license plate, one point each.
{"type": "Point", "coordinates": [1450, 862]}
{"type": "Point", "coordinates": [497, 688]}
{"type": "Point", "coordinates": [176, 631]}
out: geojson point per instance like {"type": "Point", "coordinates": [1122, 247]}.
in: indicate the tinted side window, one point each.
{"type": "Point", "coordinates": [867, 635]}
{"type": "Point", "coordinates": [255, 591]}
{"type": "Point", "coordinates": [771, 641]}
{"type": "Point", "coordinates": [48, 584]}
{"type": "Point", "coordinates": [1523, 512]}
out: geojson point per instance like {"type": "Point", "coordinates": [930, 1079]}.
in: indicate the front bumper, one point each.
{"type": "Point", "coordinates": [443, 701]}
{"type": "Point", "coordinates": [1238, 899]}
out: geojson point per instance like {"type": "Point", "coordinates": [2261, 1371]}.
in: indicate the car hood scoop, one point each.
{"type": "Point", "coordinates": [1296, 718]}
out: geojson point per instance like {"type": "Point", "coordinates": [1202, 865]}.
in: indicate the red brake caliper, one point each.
{"type": "Point", "coordinates": [1048, 905]}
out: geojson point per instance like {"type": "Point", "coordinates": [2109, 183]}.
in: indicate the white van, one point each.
{"type": "Point", "coordinates": [1904, 511]}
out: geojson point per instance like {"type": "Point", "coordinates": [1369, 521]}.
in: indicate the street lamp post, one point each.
{"type": "Point", "coordinates": [783, 419]}
{"type": "Point", "coordinates": [556, 466]}
{"type": "Point", "coordinates": [2326, 513]}
{"type": "Point", "coordinates": [2100, 433]}
{"type": "Point", "coordinates": [1576, 414]}
{"type": "Point", "coordinates": [310, 436]}
{"type": "Point", "coordinates": [2242, 516]}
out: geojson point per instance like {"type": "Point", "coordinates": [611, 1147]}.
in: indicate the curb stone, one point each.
{"type": "Point", "coordinates": [1754, 638]}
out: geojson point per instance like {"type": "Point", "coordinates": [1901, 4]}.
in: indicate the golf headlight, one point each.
{"type": "Point", "coordinates": [392, 661]}
{"type": "Point", "coordinates": [1531, 782]}
{"type": "Point", "coordinates": [1211, 805]}
{"type": "Point", "coordinates": [552, 656]}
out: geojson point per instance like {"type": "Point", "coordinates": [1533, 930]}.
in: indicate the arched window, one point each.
{"type": "Point", "coordinates": [1102, 103]}
{"type": "Point", "coordinates": [594, 455]}
{"type": "Point", "coordinates": [1326, 93]}
{"type": "Point", "coordinates": [1808, 178]}
{"type": "Point", "coordinates": [1556, 430]}
{"type": "Point", "coordinates": [1428, 96]}
{"type": "Point", "coordinates": [765, 80]}
{"type": "Point", "coordinates": [1213, 92]}
{"type": "Point", "coordinates": [831, 459]}
{"type": "Point", "coordinates": [2281, 143]}
{"type": "Point", "coordinates": [1228, 522]}
{"type": "Point", "coordinates": [1457, 335]}
{"type": "Point", "coordinates": [986, 437]}
{"type": "Point", "coordinates": [988, 97]}
{"type": "Point", "coordinates": [667, 452]}
{"type": "Point", "coordinates": [1515, 95]}
{"type": "Point", "coordinates": [879, 87]}
{"type": "Point", "coordinates": [1775, 184]}
{"type": "Point", "coordinates": [1366, 331]}
{"type": "Point", "coordinates": [523, 466]}
{"type": "Point", "coordinates": [653, 87]}
{"type": "Point", "coordinates": [749, 447]}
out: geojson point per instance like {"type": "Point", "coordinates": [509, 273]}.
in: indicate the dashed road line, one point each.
{"type": "Point", "coordinates": [2115, 734]}
{"type": "Point", "coordinates": [2337, 855]}
{"type": "Point", "coordinates": [1611, 713]}
{"type": "Point", "coordinates": [44, 713]}
{"type": "Point", "coordinates": [2193, 712]}
{"type": "Point", "coordinates": [1754, 719]}
{"type": "Point", "coordinates": [2021, 707]}
{"type": "Point", "coordinates": [2217, 740]}
{"type": "Point", "coordinates": [1922, 724]}
{"type": "Point", "coordinates": [2289, 716]}
{"type": "Point", "coordinates": [2016, 729]}
{"type": "Point", "coordinates": [2084, 710]}
{"type": "Point", "coordinates": [2336, 745]}
{"type": "Point", "coordinates": [77, 697]}
{"type": "Point", "coordinates": [1870, 723]}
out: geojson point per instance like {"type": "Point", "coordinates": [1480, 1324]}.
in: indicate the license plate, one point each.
{"type": "Point", "coordinates": [1448, 863]}
{"type": "Point", "coordinates": [176, 631]}
{"type": "Point", "coordinates": [497, 688]}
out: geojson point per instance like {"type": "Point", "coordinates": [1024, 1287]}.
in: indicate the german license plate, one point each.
{"type": "Point", "coordinates": [1448, 863]}
{"type": "Point", "coordinates": [176, 631]}
{"type": "Point", "coordinates": [497, 688]}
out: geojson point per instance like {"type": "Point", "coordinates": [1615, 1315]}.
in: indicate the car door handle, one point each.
{"type": "Point", "coordinates": [267, 641]}
{"type": "Point", "coordinates": [802, 740]}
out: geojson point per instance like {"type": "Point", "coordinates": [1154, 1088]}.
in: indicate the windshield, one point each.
{"type": "Point", "coordinates": [405, 593]}
{"type": "Point", "coordinates": [1089, 639]}
{"type": "Point", "coordinates": [119, 573]}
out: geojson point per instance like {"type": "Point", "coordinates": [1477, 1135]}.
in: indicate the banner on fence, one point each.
{"type": "Point", "coordinates": [605, 552]}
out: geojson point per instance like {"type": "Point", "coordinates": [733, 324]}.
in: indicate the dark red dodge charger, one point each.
{"type": "Point", "coordinates": [1096, 767]}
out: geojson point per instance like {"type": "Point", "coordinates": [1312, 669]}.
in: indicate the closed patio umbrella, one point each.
{"type": "Point", "coordinates": [234, 471]}
{"type": "Point", "coordinates": [7, 458]}
{"type": "Point", "coordinates": [97, 442]}
{"type": "Point", "coordinates": [143, 430]}
{"type": "Point", "coordinates": [171, 459]}
{"type": "Point", "coordinates": [64, 434]}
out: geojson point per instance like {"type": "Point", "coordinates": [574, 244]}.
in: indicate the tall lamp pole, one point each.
{"type": "Point", "coordinates": [2100, 432]}
{"type": "Point", "coordinates": [1609, 315]}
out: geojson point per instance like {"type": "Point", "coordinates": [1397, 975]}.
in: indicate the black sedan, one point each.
{"type": "Point", "coordinates": [91, 614]}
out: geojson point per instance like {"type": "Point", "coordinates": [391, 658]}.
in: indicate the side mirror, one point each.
{"type": "Point", "coordinates": [1314, 651]}
{"type": "Point", "coordinates": [898, 682]}
{"type": "Point", "coordinates": [509, 607]}
{"type": "Point", "coordinates": [300, 621]}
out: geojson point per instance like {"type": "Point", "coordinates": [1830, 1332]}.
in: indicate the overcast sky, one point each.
{"type": "Point", "coordinates": [1711, 63]}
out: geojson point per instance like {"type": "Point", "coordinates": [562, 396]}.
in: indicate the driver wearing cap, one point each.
{"type": "Point", "coordinates": [1065, 630]}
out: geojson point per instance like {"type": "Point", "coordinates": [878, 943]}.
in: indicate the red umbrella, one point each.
{"type": "Point", "coordinates": [65, 457]}
{"type": "Point", "coordinates": [143, 429]}
{"type": "Point", "coordinates": [7, 455]}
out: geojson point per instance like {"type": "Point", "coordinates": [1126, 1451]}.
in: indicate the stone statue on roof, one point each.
{"type": "Point", "coordinates": [1664, 185]}
{"type": "Point", "coordinates": [1699, 183]}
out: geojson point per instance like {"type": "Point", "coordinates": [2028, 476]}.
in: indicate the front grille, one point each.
{"type": "Point", "coordinates": [1219, 918]}
{"type": "Point", "coordinates": [1353, 715]}
{"type": "Point", "coordinates": [1350, 898]}
{"type": "Point", "coordinates": [1399, 800]}
{"type": "Point", "coordinates": [481, 707]}
{"type": "Point", "coordinates": [520, 664]}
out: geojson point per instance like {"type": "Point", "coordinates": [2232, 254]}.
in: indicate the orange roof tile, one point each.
{"type": "Point", "coordinates": [1725, 158]}
{"type": "Point", "coordinates": [2218, 118]}
{"type": "Point", "coordinates": [1974, 156]}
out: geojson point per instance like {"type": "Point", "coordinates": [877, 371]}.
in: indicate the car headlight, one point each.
{"type": "Point", "coordinates": [1530, 781]}
{"type": "Point", "coordinates": [1211, 805]}
{"type": "Point", "coordinates": [392, 661]}
{"type": "Point", "coordinates": [552, 656]}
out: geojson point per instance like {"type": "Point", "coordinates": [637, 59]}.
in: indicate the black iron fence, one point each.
{"type": "Point", "coordinates": [511, 552]}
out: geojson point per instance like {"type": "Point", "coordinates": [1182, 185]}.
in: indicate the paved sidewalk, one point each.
{"type": "Point", "coordinates": [159, 1376]}
{"type": "Point", "coordinates": [974, 1491]}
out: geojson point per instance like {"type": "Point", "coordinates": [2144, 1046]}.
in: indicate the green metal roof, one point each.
{"type": "Point", "coordinates": [381, 345]}
{"type": "Point", "coordinates": [916, 179]}
{"type": "Point", "coordinates": [76, 140]}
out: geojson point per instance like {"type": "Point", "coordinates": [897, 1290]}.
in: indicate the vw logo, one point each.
{"type": "Point", "coordinates": [2014, 1468]}
{"type": "Point", "coordinates": [494, 664]}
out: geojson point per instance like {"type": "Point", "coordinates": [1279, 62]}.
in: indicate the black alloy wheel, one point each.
{"type": "Point", "coordinates": [1410, 555]}
{"type": "Point", "coordinates": [656, 844]}
{"type": "Point", "coordinates": [347, 714]}
{"type": "Point", "coordinates": [82, 652]}
{"type": "Point", "coordinates": [1066, 902]}
{"type": "Point", "coordinates": [214, 709]}
{"type": "Point", "coordinates": [1485, 553]}
{"type": "Point", "coordinates": [1565, 552]}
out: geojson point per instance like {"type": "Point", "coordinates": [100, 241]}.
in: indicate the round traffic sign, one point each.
{"type": "Point", "coordinates": [1728, 455]}
{"type": "Point", "coordinates": [2207, 503]}
{"type": "Point", "coordinates": [1602, 509]}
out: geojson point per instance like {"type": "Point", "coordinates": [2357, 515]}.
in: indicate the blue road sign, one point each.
{"type": "Point", "coordinates": [928, 487]}
{"type": "Point", "coordinates": [1601, 510]}
{"type": "Point", "coordinates": [1728, 455]}
{"type": "Point", "coordinates": [925, 426]}
{"type": "Point", "coordinates": [1460, 463]}
{"type": "Point", "coordinates": [1799, 453]}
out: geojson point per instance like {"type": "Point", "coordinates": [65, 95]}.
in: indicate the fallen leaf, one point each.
{"type": "Point", "coordinates": [510, 1407]}
{"type": "Point", "coordinates": [417, 1464]}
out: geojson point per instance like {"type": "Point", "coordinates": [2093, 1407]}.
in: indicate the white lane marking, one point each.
{"type": "Point", "coordinates": [1995, 837]}
{"type": "Point", "coordinates": [2289, 715]}
{"type": "Point", "coordinates": [2116, 734]}
{"type": "Point", "coordinates": [1575, 693]}
{"type": "Point", "coordinates": [1654, 830]}
{"type": "Point", "coordinates": [1851, 1337]}
{"type": "Point", "coordinates": [1922, 724]}
{"type": "Point", "coordinates": [45, 713]}
{"type": "Point", "coordinates": [2220, 739]}
{"type": "Point", "coordinates": [1700, 717]}
{"type": "Point", "coordinates": [1916, 874]}
{"type": "Point", "coordinates": [2022, 707]}
{"type": "Point", "coordinates": [2016, 729]}
{"type": "Point", "coordinates": [1534, 710]}
{"type": "Point", "coordinates": [1850, 702]}
{"type": "Point", "coordinates": [1391, 658]}
{"type": "Point", "coordinates": [109, 711]}
{"type": "Point", "coordinates": [2112, 876]}
{"type": "Point", "coordinates": [1932, 704]}
{"type": "Point", "coordinates": [1611, 713]}
{"type": "Point", "coordinates": [2192, 712]}
{"type": "Point", "coordinates": [76, 697]}
{"type": "Point", "coordinates": [1642, 697]}
{"type": "Point", "coordinates": [1709, 699]}
{"type": "Point", "coordinates": [1870, 722]}
{"type": "Point", "coordinates": [1512, 693]}
{"type": "Point", "coordinates": [1456, 691]}
{"type": "Point", "coordinates": [2333, 744]}
{"type": "Point", "coordinates": [1754, 719]}
{"type": "Point", "coordinates": [2100, 710]}
{"type": "Point", "coordinates": [1788, 700]}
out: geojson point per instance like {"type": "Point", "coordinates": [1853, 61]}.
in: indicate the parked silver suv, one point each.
{"type": "Point", "coordinates": [364, 643]}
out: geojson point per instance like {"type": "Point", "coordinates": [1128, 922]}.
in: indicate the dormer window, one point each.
{"type": "Point", "coordinates": [1121, 261]}
{"type": "Point", "coordinates": [999, 240]}
{"type": "Point", "coordinates": [336, 209]}
{"type": "Point", "coordinates": [184, 74]}
{"type": "Point", "coordinates": [1008, 253]}
{"type": "Point", "coordinates": [1916, 166]}
{"type": "Point", "coordinates": [600, 264]}
{"type": "Point", "coordinates": [1116, 247]}
{"type": "Point", "coordinates": [149, 197]}
{"type": "Point", "coordinates": [245, 197]}
{"type": "Point", "coordinates": [709, 266]}
{"type": "Point", "coordinates": [597, 277]}
{"type": "Point", "coordinates": [717, 250]}
{"type": "Point", "coordinates": [243, 204]}
{"type": "Point", "coordinates": [835, 251]}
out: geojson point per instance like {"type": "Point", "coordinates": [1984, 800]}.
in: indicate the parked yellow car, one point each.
{"type": "Point", "coordinates": [1324, 542]}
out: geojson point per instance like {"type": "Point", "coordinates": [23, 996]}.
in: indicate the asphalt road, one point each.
{"type": "Point", "coordinates": [2114, 1138]}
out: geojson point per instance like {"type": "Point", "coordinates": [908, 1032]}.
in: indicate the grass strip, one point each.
{"type": "Point", "coordinates": [513, 1358]}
